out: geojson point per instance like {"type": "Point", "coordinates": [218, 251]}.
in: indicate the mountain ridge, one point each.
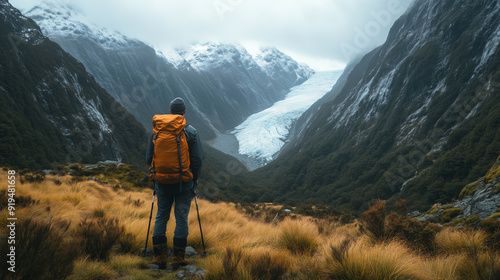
{"type": "Point", "coordinates": [52, 109]}
{"type": "Point", "coordinates": [417, 118]}
{"type": "Point", "coordinates": [220, 93]}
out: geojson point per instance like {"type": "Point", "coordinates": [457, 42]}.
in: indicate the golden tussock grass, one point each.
{"type": "Point", "coordinates": [243, 248]}
{"type": "Point", "coordinates": [298, 236]}
{"type": "Point", "coordinates": [443, 267]}
{"type": "Point", "coordinates": [91, 270]}
{"type": "Point", "coordinates": [358, 259]}
{"type": "Point", "coordinates": [483, 265]}
{"type": "Point", "coordinates": [454, 241]}
{"type": "Point", "coordinates": [468, 255]}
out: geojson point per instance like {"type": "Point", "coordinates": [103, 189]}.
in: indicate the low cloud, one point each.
{"type": "Point", "coordinates": [324, 32]}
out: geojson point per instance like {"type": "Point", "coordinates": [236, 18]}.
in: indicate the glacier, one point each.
{"type": "Point", "coordinates": [263, 134]}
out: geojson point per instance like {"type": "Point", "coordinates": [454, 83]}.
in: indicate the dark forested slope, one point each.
{"type": "Point", "coordinates": [416, 118]}
{"type": "Point", "coordinates": [51, 110]}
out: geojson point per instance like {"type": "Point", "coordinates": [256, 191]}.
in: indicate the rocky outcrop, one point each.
{"type": "Point", "coordinates": [478, 201]}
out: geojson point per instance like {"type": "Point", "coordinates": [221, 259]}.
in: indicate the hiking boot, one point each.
{"type": "Point", "coordinates": [160, 251]}
{"type": "Point", "coordinates": [178, 258]}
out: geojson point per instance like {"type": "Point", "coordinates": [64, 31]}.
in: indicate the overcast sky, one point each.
{"type": "Point", "coordinates": [322, 33]}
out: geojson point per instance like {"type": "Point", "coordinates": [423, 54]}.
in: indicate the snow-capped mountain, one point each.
{"type": "Point", "coordinates": [416, 118]}
{"type": "Point", "coordinates": [281, 67]}
{"type": "Point", "coordinates": [221, 83]}
{"type": "Point", "coordinates": [60, 19]}
{"type": "Point", "coordinates": [218, 56]}
{"type": "Point", "coordinates": [22, 29]}
{"type": "Point", "coordinates": [225, 63]}
{"type": "Point", "coordinates": [52, 109]}
{"type": "Point", "coordinates": [278, 66]}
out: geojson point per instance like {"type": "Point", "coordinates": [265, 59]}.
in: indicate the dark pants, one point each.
{"type": "Point", "coordinates": [182, 205]}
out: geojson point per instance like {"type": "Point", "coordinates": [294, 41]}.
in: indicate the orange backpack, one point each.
{"type": "Point", "coordinates": [170, 163]}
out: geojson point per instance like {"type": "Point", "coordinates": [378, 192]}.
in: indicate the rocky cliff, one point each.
{"type": "Point", "coordinates": [417, 118]}
{"type": "Point", "coordinates": [52, 110]}
{"type": "Point", "coordinates": [477, 201]}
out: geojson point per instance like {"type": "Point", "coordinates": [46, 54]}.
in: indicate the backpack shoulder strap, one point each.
{"type": "Point", "coordinates": [187, 134]}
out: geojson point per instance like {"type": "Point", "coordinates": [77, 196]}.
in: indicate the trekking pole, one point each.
{"type": "Point", "coordinates": [199, 222]}
{"type": "Point", "coordinates": [149, 225]}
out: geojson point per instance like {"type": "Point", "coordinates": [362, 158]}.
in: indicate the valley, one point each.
{"type": "Point", "coordinates": [259, 139]}
{"type": "Point", "coordinates": [386, 169]}
{"type": "Point", "coordinates": [403, 121]}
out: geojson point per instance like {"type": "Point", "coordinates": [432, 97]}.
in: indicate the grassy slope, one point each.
{"type": "Point", "coordinates": [242, 247]}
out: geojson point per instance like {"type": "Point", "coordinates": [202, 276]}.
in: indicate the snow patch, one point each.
{"type": "Point", "coordinates": [489, 49]}
{"type": "Point", "coordinates": [383, 87]}
{"type": "Point", "coordinates": [171, 56]}
{"type": "Point", "coordinates": [213, 55]}
{"type": "Point", "coordinates": [58, 19]}
{"type": "Point", "coordinates": [89, 105]}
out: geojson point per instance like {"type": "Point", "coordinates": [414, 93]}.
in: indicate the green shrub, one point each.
{"type": "Point", "coordinates": [32, 176]}
{"type": "Point", "coordinates": [468, 222]}
{"type": "Point", "coordinates": [492, 174]}
{"type": "Point", "coordinates": [449, 214]}
{"type": "Point", "coordinates": [468, 190]}
{"type": "Point", "coordinates": [97, 236]}
{"type": "Point", "coordinates": [381, 227]}
{"type": "Point", "coordinates": [418, 235]}
{"type": "Point", "coordinates": [40, 250]}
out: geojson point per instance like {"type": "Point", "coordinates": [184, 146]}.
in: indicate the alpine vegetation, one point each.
{"type": "Point", "coordinates": [98, 230]}
{"type": "Point", "coordinates": [388, 169]}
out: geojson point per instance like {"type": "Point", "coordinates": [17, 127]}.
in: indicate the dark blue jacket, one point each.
{"type": "Point", "coordinates": [195, 154]}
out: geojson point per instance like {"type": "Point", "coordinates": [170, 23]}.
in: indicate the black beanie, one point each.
{"type": "Point", "coordinates": [177, 106]}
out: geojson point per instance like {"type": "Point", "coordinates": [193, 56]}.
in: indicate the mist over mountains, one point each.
{"type": "Point", "coordinates": [221, 82]}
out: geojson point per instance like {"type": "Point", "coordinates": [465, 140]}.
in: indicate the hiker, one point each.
{"type": "Point", "coordinates": [176, 186]}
